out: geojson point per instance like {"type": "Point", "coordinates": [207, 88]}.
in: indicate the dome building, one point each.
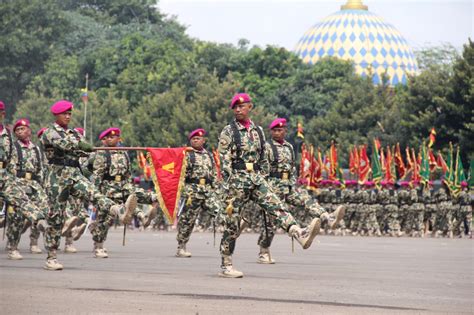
{"type": "Point", "coordinates": [356, 34]}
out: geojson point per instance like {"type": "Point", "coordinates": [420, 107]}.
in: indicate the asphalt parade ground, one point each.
{"type": "Point", "coordinates": [337, 275]}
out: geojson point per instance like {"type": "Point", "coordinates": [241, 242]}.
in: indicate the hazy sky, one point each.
{"type": "Point", "coordinates": [283, 22]}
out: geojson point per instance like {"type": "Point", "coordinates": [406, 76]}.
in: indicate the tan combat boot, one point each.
{"type": "Point", "coordinates": [305, 236]}
{"type": "Point", "coordinates": [52, 262]}
{"type": "Point", "coordinates": [264, 257]}
{"type": "Point", "coordinates": [182, 252]}
{"type": "Point", "coordinates": [14, 254]}
{"type": "Point", "coordinates": [34, 249]}
{"type": "Point", "coordinates": [69, 248]}
{"type": "Point", "coordinates": [130, 206]}
{"type": "Point", "coordinates": [146, 219]}
{"type": "Point", "coordinates": [68, 225]}
{"type": "Point", "coordinates": [99, 251]}
{"type": "Point", "coordinates": [77, 231]}
{"type": "Point", "coordinates": [227, 271]}
{"type": "Point", "coordinates": [336, 217]}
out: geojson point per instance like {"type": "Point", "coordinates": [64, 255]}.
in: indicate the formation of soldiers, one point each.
{"type": "Point", "coordinates": [49, 189]}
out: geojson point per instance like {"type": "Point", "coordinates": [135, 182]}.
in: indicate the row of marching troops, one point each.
{"type": "Point", "coordinates": [47, 187]}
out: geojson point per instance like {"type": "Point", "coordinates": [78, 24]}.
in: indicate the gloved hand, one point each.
{"type": "Point", "coordinates": [86, 147]}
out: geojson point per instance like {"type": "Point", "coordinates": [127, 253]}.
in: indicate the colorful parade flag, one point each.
{"type": "Point", "coordinates": [217, 161]}
{"type": "Point", "coordinates": [375, 161]}
{"type": "Point", "coordinates": [432, 161]}
{"type": "Point", "coordinates": [168, 167]}
{"type": "Point", "coordinates": [440, 163]}
{"type": "Point", "coordinates": [432, 137]}
{"type": "Point", "coordinates": [399, 163]}
{"type": "Point", "coordinates": [449, 175]}
{"type": "Point", "coordinates": [364, 166]}
{"type": "Point", "coordinates": [390, 175]}
{"type": "Point", "coordinates": [425, 166]}
{"type": "Point", "coordinates": [84, 95]}
{"type": "Point", "coordinates": [459, 175]}
{"type": "Point", "coordinates": [332, 173]}
{"type": "Point", "coordinates": [415, 176]}
{"type": "Point", "coordinates": [300, 130]}
{"type": "Point", "coordinates": [144, 166]}
{"type": "Point", "coordinates": [305, 166]}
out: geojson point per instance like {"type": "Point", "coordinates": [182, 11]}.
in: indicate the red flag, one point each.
{"type": "Point", "coordinates": [401, 169]}
{"type": "Point", "coordinates": [441, 163]}
{"type": "Point", "coordinates": [432, 160]}
{"type": "Point", "coordinates": [305, 166]}
{"type": "Point", "coordinates": [316, 168]}
{"type": "Point", "coordinates": [168, 170]}
{"type": "Point", "coordinates": [432, 137]}
{"type": "Point", "coordinates": [410, 165]}
{"type": "Point", "coordinates": [332, 174]}
{"type": "Point", "coordinates": [415, 177]}
{"type": "Point", "coordinates": [364, 169]}
{"type": "Point", "coordinates": [217, 161]}
{"type": "Point", "coordinates": [142, 163]}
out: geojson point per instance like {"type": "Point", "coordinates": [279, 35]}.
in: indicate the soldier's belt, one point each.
{"type": "Point", "coordinates": [27, 175]}
{"type": "Point", "coordinates": [200, 181]}
{"type": "Point", "coordinates": [242, 166]}
{"type": "Point", "coordinates": [116, 178]}
{"type": "Point", "coordinates": [65, 162]}
{"type": "Point", "coordinates": [280, 175]}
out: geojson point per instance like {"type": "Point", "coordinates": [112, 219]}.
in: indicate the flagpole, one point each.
{"type": "Point", "coordinates": [129, 148]}
{"type": "Point", "coordinates": [85, 101]}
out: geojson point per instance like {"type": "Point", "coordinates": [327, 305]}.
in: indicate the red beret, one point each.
{"type": "Point", "coordinates": [80, 130]}
{"type": "Point", "coordinates": [351, 182]}
{"type": "Point", "coordinates": [464, 184]}
{"type": "Point", "coordinates": [41, 131]}
{"type": "Point", "coordinates": [198, 132]}
{"type": "Point", "coordinates": [369, 183]}
{"type": "Point", "coordinates": [21, 122]}
{"type": "Point", "coordinates": [279, 122]}
{"type": "Point", "coordinates": [61, 106]}
{"type": "Point", "coordinates": [404, 184]}
{"type": "Point", "coordinates": [113, 131]}
{"type": "Point", "coordinates": [240, 98]}
{"type": "Point", "coordinates": [2, 106]}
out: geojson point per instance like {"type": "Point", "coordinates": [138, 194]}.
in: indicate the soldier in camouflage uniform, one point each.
{"type": "Point", "coordinates": [199, 191]}
{"type": "Point", "coordinates": [282, 180]}
{"type": "Point", "coordinates": [27, 164]}
{"type": "Point", "coordinates": [444, 217]}
{"type": "Point", "coordinates": [373, 207]}
{"type": "Point", "coordinates": [363, 199]}
{"type": "Point", "coordinates": [63, 148]}
{"type": "Point", "coordinates": [348, 199]}
{"type": "Point", "coordinates": [463, 211]}
{"type": "Point", "coordinates": [414, 219]}
{"type": "Point", "coordinates": [429, 215]}
{"type": "Point", "coordinates": [112, 176]}
{"type": "Point", "coordinates": [391, 210]}
{"type": "Point", "coordinates": [242, 150]}
{"type": "Point", "coordinates": [404, 201]}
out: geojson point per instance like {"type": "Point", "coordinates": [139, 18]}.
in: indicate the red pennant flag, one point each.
{"type": "Point", "coordinates": [441, 163]}
{"type": "Point", "coordinates": [168, 170]}
{"type": "Point", "coordinates": [364, 166]}
{"type": "Point", "coordinates": [432, 160]}
{"type": "Point", "coordinates": [401, 169]}
{"type": "Point", "coordinates": [432, 137]}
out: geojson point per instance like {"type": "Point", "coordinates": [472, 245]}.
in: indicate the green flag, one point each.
{"type": "Point", "coordinates": [375, 161]}
{"type": "Point", "coordinates": [425, 165]}
{"type": "Point", "coordinates": [471, 174]}
{"type": "Point", "coordinates": [459, 175]}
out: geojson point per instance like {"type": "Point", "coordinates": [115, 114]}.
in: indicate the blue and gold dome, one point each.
{"type": "Point", "coordinates": [356, 34]}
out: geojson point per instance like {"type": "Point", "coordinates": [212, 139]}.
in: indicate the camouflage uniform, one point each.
{"type": "Point", "coordinates": [414, 221]}
{"type": "Point", "coordinates": [383, 200]}
{"type": "Point", "coordinates": [363, 198]}
{"type": "Point", "coordinates": [391, 210]}
{"type": "Point", "coordinates": [62, 148]}
{"type": "Point", "coordinates": [430, 209]}
{"type": "Point", "coordinates": [348, 200]}
{"type": "Point", "coordinates": [444, 218]}
{"type": "Point", "coordinates": [199, 193]}
{"type": "Point", "coordinates": [282, 180]}
{"type": "Point", "coordinates": [27, 164]}
{"type": "Point", "coordinates": [112, 177]}
{"type": "Point", "coordinates": [464, 213]}
{"type": "Point", "coordinates": [404, 201]}
{"type": "Point", "coordinates": [243, 168]}
{"type": "Point", "coordinates": [373, 208]}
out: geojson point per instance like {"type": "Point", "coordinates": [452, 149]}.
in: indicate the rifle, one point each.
{"type": "Point", "coordinates": [5, 215]}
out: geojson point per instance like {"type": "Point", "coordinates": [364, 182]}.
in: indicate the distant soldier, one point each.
{"type": "Point", "coordinates": [348, 200]}
{"type": "Point", "coordinates": [444, 217]}
{"type": "Point", "coordinates": [242, 150]}
{"type": "Point", "coordinates": [404, 202]}
{"type": "Point", "coordinates": [63, 147]}
{"type": "Point", "coordinates": [112, 175]}
{"type": "Point", "coordinates": [28, 166]}
{"type": "Point", "coordinates": [463, 212]}
{"type": "Point", "coordinates": [199, 190]}
{"type": "Point", "coordinates": [282, 180]}
{"type": "Point", "coordinates": [363, 208]}
{"type": "Point", "coordinates": [391, 210]}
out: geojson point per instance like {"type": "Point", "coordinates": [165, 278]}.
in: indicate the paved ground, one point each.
{"type": "Point", "coordinates": [337, 275]}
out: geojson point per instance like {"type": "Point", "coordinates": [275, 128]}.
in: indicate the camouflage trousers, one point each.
{"type": "Point", "coordinates": [350, 217]}
{"type": "Point", "coordinates": [295, 199]}
{"type": "Point", "coordinates": [195, 205]}
{"type": "Point", "coordinates": [444, 217]}
{"type": "Point", "coordinates": [105, 220]}
{"type": "Point", "coordinates": [463, 220]}
{"type": "Point", "coordinates": [415, 216]}
{"type": "Point", "coordinates": [240, 191]}
{"type": "Point", "coordinates": [35, 194]}
{"type": "Point", "coordinates": [392, 225]}
{"type": "Point", "coordinates": [403, 215]}
{"type": "Point", "coordinates": [429, 216]}
{"type": "Point", "coordinates": [63, 182]}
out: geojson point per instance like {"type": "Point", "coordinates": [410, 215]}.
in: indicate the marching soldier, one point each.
{"type": "Point", "coordinates": [242, 150]}
{"type": "Point", "coordinates": [282, 180]}
{"type": "Point", "coordinates": [27, 164]}
{"type": "Point", "coordinates": [63, 147]}
{"type": "Point", "coordinates": [112, 175]}
{"type": "Point", "coordinates": [199, 190]}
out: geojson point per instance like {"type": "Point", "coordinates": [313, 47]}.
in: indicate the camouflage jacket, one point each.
{"type": "Point", "coordinates": [250, 153]}
{"type": "Point", "coordinates": [6, 151]}
{"type": "Point", "coordinates": [281, 163]}
{"type": "Point", "coordinates": [404, 197]}
{"type": "Point", "coordinates": [347, 195]}
{"type": "Point", "coordinates": [383, 196]}
{"type": "Point", "coordinates": [61, 144]}
{"type": "Point", "coordinates": [28, 162]}
{"type": "Point", "coordinates": [111, 172]}
{"type": "Point", "coordinates": [201, 173]}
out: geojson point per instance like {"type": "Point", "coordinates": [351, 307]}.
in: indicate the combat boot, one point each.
{"type": "Point", "coordinates": [99, 251]}
{"type": "Point", "coordinates": [182, 252]}
{"type": "Point", "coordinates": [77, 231]}
{"type": "Point", "coordinates": [264, 257]}
{"type": "Point", "coordinates": [52, 262]}
{"type": "Point", "coordinates": [227, 270]}
{"type": "Point", "coordinates": [146, 219]}
{"type": "Point", "coordinates": [68, 225]}
{"type": "Point", "coordinates": [336, 217]}
{"type": "Point", "coordinates": [69, 247]}
{"type": "Point", "coordinates": [14, 254]}
{"type": "Point", "coordinates": [130, 205]}
{"type": "Point", "coordinates": [378, 233]}
{"type": "Point", "coordinates": [305, 236]}
{"type": "Point", "coordinates": [34, 249]}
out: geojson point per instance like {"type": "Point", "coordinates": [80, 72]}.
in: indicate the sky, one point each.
{"type": "Point", "coordinates": [281, 23]}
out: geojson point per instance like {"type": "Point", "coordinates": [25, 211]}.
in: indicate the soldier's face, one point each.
{"type": "Point", "coordinates": [278, 134]}
{"type": "Point", "coordinates": [197, 142]}
{"type": "Point", "coordinates": [63, 119]}
{"type": "Point", "coordinates": [111, 140]}
{"type": "Point", "coordinates": [242, 111]}
{"type": "Point", "coordinates": [23, 133]}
